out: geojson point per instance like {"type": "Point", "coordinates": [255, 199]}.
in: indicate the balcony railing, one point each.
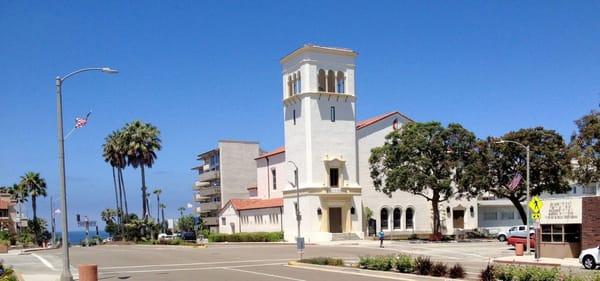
{"type": "Point", "coordinates": [199, 197]}
{"type": "Point", "coordinates": [211, 220]}
{"type": "Point", "coordinates": [209, 191]}
{"type": "Point", "coordinates": [210, 206]}
{"type": "Point", "coordinates": [210, 175]}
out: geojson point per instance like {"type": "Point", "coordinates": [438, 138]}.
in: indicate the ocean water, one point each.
{"type": "Point", "coordinates": [76, 236]}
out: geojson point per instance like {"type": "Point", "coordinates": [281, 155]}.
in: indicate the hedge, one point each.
{"type": "Point", "coordinates": [324, 261]}
{"type": "Point", "coordinates": [246, 237]}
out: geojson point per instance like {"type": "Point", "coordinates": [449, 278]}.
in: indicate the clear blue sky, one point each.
{"type": "Point", "coordinates": [203, 72]}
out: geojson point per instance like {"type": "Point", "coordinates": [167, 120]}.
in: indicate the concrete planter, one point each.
{"type": "Point", "coordinates": [3, 248]}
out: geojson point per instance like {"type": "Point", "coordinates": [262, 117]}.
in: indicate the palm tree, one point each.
{"type": "Point", "coordinates": [162, 208]}
{"type": "Point", "coordinates": [157, 191]}
{"type": "Point", "coordinates": [36, 186]}
{"type": "Point", "coordinates": [108, 215]}
{"type": "Point", "coordinates": [112, 155]}
{"type": "Point", "coordinates": [181, 209]}
{"type": "Point", "coordinates": [142, 143]}
{"type": "Point", "coordinates": [19, 194]}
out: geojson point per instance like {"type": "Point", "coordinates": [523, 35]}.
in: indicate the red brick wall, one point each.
{"type": "Point", "coordinates": [590, 228]}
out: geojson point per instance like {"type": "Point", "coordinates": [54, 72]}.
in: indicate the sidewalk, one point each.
{"type": "Point", "coordinates": [530, 260]}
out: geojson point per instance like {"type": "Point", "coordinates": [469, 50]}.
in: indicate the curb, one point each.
{"type": "Point", "coordinates": [19, 276]}
{"type": "Point", "coordinates": [37, 250]}
{"type": "Point", "coordinates": [366, 272]}
{"type": "Point", "coordinates": [534, 263]}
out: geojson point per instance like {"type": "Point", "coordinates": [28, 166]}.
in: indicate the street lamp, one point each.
{"type": "Point", "coordinates": [527, 184]}
{"type": "Point", "coordinates": [66, 272]}
{"type": "Point", "coordinates": [299, 240]}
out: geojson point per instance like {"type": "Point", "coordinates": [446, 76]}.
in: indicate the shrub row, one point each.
{"type": "Point", "coordinates": [530, 273]}
{"type": "Point", "coordinates": [324, 261]}
{"type": "Point", "coordinates": [246, 237]}
{"type": "Point", "coordinates": [406, 264]}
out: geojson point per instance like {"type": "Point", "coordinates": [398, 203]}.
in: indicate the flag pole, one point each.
{"type": "Point", "coordinates": [70, 132]}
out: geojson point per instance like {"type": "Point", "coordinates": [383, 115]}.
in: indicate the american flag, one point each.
{"type": "Point", "coordinates": [81, 122]}
{"type": "Point", "coordinates": [515, 181]}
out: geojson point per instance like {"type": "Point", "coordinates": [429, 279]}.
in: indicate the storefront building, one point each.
{"type": "Point", "coordinates": [569, 225]}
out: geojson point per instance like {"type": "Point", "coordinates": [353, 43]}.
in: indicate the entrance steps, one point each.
{"type": "Point", "coordinates": [344, 236]}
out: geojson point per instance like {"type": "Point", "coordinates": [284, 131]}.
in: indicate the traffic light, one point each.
{"type": "Point", "coordinates": [78, 218]}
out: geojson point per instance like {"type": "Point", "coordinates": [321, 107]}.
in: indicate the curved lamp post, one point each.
{"type": "Point", "coordinates": [66, 272]}
{"type": "Point", "coordinates": [527, 184]}
{"type": "Point", "coordinates": [298, 215]}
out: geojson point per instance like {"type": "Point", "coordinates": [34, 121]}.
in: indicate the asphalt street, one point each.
{"type": "Point", "coordinates": [232, 262]}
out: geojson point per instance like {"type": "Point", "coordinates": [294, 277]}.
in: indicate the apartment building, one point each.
{"type": "Point", "coordinates": [224, 173]}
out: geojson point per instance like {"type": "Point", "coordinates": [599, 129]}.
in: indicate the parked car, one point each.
{"type": "Point", "coordinates": [514, 240]}
{"type": "Point", "coordinates": [165, 237]}
{"type": "Point", "coordinates": [188, 235]}
{"type": "Point", "coordinates": [107, 240]}
{"type": "Point", "coordinates": [518, 230]}
{"type": "Point", "coordinates": [589, 258]}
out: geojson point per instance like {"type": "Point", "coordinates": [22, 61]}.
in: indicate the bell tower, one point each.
{"type": "Point", "coordinates": [320, 141]}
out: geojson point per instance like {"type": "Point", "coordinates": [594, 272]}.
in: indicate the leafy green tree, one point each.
{"type": "Point", "coordinates": [142, 141]}
{"type": "Point", "coordinates": [424, 159]}
{"type": "Point", "coordinates": [496, 164]}
{"type": "Point", "coordinates": [36, 186]}
{"type": "Point", "coordinates": [585, 148]}
{"type": "Point", "coordinates": [186, 223]}
{"type": "Point", "coordinates": [108, 216]}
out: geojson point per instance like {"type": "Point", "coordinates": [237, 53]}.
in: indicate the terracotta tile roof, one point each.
{"type": "Point", "coordinates": [359, 125]}
{"type": "Point", "coordinates": [249, 204]}
{"type": "Point", "coordinates": [376, 119]}
{"type": "Point", "coordinates": [278, 150]}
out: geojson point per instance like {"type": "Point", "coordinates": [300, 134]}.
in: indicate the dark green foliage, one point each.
{"type": "Point", "coordinates": [324, 261]}
{"type": "Point", "coordinates": [487, 274]}
{"type": "Point", "coordinates": [456, 271]}
{"type": "Point", "coordinates": [439, 269]}
{"type": "Point", "coordinates": [585, 148]}
{"type": "Point", "coordinates": [423, 159]}
{"type": "Point", "coordinates": [495, 164]}
{"type": "Point", "coordinates": [404, 264]}
{"type": "Point", "coordinates": [186, 223]}
{"type": "Point", "coordinates": [7, 273]}
{"type": "Point", "coordinates": [246, 237]}
{"type": "Point", "coordinates": [423, 265]}
{"type": "Point", "coordinates": [383, 263]}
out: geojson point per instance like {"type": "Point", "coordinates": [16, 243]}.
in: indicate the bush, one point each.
{"type": "Point", "coordinates": [324, 261]}
{"type": "Point", "coordinates": [457, 271]}
{"type": "Point", "coordinates": [423, 265]}
{"type": "Point", "coordinates": [246, 237]}
{"type": "Point", "coordinates": [7, 273]}
{"type": "Point", "coordinates": [382, 263]}
{"type": "Point", "coordinates": [487, 274]}
{"type": "Point", "coordinates": [529, 273]}
{"type": "Point", "coordinates": [404, 264]}
{"type": "Point", "coordinates": [439, 269]}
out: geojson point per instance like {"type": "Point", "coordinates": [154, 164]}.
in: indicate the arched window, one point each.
{"type": "Point", "coordinates": [409, 218]}
{"type": "Point", "coordinates": [299, 84]}
{"type": "Point", "coordinates": [340, 82]}
{"type": "Point", "coordinates": [321, 80]}
{"type": "Point", "coordinates": [294, 82]}
{"type": "Point", "coordinates": [289, 85]}
{"type": "Point", "coordinates": [397, 218]}
{"type": "Point", "coordinates": [331, 81]}
{"type": "Point", "coordinates": [384, 218]}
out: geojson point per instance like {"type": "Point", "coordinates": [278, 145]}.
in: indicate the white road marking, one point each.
{"type": "Point", "coordinates": [264, 274]}
{"type": "Point", "coordinates": [190, 264]}
{"type": "Point", "coordinates": [186, 269]}
{"type": "Point", "coordinates": [45, 262]}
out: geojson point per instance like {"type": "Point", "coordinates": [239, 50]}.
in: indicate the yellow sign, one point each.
{"type": "Point", "coordinates": [536, 216]}
{"type": "Point", "coordinates": [536, 205]}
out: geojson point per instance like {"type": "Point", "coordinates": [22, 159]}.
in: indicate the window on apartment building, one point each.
{"type": "Point", "coordinates": [334, 177]}
{"type": "Point", "coordinates": [274, 175]}
{"type": "Point", "coordinates": [490, 216]}
{"type": "Point", "coordinates": [507, 215]}
{"type": "Point", "coordinates": [560, 233]}
{"type": "Point", "coordinates": [332, 113]}
{"type": "Point", "coordinates": [223, 221]}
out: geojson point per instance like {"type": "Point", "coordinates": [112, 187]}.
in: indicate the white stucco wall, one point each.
{"type": "Point", "coordinates": [264, 176]}
{"type": "Point", "coordinates": [232, 220]}
{"type": "Point", "coordinates": [271, 220]}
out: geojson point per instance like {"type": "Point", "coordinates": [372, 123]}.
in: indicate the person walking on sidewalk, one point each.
{"type": "Point", "coordinates": [381, 236]}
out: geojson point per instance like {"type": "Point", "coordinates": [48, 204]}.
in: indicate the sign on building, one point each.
{"type": "Point", "coordinates": [561, 211]}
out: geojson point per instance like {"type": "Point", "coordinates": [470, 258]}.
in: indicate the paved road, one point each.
{"type": "Point", "coordinates": [243, 262]}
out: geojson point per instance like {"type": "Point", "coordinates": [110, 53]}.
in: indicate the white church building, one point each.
{"type": "Point", "coordinates": [324, 166]}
